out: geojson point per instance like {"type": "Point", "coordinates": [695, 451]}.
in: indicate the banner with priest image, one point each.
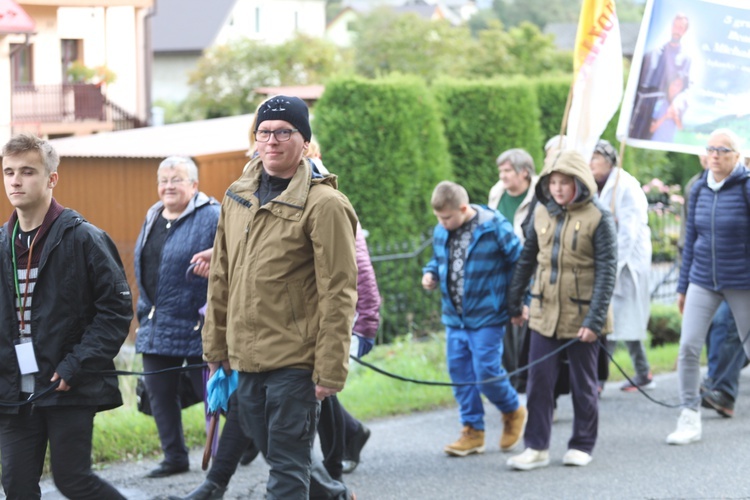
{"type": "Point", "coordinates": [690, 75]}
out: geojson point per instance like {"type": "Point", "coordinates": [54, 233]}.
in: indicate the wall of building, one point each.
{"type": "Point", "coordinates": [170, 76]}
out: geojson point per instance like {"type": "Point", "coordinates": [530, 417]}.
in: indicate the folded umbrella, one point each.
{"type": "Point", "coordinates": [218, 389]}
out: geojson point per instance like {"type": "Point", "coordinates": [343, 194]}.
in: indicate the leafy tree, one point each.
{"type": "Point", "coordinates": [225, 77]}
{"type": "Point", "coordinates": [388, 43]}
{"type": "Point", "coordinates": [538, 12]}
{"type": "Point", "coordinates": [543, 12]}
{"type": "Point", "coordinates": [534, 53]}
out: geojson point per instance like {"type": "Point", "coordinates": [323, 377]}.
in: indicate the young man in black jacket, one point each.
{"type": "Point", "coordinates": [65, 310]}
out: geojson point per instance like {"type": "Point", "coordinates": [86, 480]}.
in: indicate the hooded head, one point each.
{"type": "Point", "coordinates": [572, 164]}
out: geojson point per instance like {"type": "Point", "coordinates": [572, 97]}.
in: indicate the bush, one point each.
{"type": "Point", "coordinates": [385, 141]}
{"type": "Point", "coordinates": [552, 94]}
{"type": "Point", "coordinates": [664, 324]}
{"type": "Point", "coordinates": [483, 119]}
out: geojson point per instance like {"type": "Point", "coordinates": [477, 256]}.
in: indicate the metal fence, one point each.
{"type": "Point", "coordinates": [408, 309]}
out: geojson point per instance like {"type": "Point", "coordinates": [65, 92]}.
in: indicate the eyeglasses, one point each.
{"type": "Point", "coordinates": [720, 149]}
{"type": "Point", "coordinates": [281, 135]}
{"type": "Point", "coordinates": [176, 181]}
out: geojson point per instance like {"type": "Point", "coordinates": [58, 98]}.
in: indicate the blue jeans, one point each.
{"type": "Point", "coordinates": [725, 355]}
{"type": "Point", "coordinates": [474, 355]}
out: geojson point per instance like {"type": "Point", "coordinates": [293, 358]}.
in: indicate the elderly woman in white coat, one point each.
{"type": "Point", "coordinates": [623, 195]}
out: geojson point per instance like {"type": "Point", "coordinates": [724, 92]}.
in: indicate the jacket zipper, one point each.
{"type": "Point", "coordinates": [556, 251]}
{"type": "Point", "coordinates": [575, 234]}
{"type": "Point", "coordinates": [713, 240]}
{"type": "Point", "coordinates": [150, 316]}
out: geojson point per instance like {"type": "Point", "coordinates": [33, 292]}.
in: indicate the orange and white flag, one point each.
{"type": "Point", "coordinates": [597, 87]}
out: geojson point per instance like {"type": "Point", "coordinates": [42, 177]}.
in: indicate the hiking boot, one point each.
{"type": "Point", "coordinates": [576, 457]}
{"type": "Point", "coordinates": [529, 459]}
{"type": "Point", "coordinates": [514, 424]}
{"type": "Point", "coordinates": [639, 382]}
{"type": "Point", "coordinates": [719, 401]}
{"type": "Point", "coordinates": [471, 441]}
{"type": "Point", "coordinates": [688, 428]}
{"type": "Point", "coordinates": [354, 448]}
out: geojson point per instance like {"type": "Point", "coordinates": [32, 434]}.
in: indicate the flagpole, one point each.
{"type": "Point", "coordinates": [566, 113]}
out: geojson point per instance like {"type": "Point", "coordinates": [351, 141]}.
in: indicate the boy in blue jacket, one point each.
{"type": "Point", "coordinates": [474, 250]}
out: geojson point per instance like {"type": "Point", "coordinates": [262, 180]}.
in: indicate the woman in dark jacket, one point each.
{"type": "Point", "coordinates": [715, 267]}
{"type": "Point", "coordinates": [177, 227]}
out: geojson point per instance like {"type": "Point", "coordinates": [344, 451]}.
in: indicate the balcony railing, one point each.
{"type": "Point", "coordinates": [68, 103]}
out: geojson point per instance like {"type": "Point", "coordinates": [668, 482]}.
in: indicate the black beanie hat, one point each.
{"type": "Point", "coordinates": [290, 109]}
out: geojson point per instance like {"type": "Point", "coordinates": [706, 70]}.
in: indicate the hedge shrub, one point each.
{"type": "Point", "coordinates": [482, 119]}
{"type": "Point", "coordinates": [385, 141]}
{"type": "Point", "coordinates": [551, 94]}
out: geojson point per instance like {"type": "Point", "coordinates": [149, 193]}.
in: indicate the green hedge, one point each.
{"type": "Point", "coordinates": [552, 94]}
{"type": "Point", "coordinates": [482, 119]}
{"type": "Point", "coordinates": [385, 141]}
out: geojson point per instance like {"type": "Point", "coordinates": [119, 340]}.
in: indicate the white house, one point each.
{"type": "Point", "coordinates": [184, 29]}
{"type": "Point", "coordinates": [36, 93]}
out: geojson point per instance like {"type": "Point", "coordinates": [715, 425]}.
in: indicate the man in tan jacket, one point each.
{"type": "Point", "coordinates": [281, 294]}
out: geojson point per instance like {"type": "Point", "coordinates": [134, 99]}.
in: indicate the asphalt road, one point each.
{"type": "Point", "coordinates": [404, 459]}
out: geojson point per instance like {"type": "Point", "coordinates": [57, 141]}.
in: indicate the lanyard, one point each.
{"type": "Point", "coordinates": [22, 303]}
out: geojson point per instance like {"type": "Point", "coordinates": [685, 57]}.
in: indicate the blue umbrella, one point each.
{"type": "Point", "coordinates": [218, 389]}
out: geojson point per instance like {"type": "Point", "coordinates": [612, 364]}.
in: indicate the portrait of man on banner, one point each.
{"type": "Point", "coordinates": [689, 75]}
{"type": "Point", "coordinates": [665, 68]}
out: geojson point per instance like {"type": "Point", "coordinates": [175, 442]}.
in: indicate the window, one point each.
{"type": "Point", "coordinates": [21, 63]}
{"type": "Point", "coordinates": [71, 50]}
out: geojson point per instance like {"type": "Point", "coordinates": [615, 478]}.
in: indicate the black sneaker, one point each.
{"type": "Point", "coordinates": [719, 401]}
{"type": "Point", "coordinates": [354, 448]}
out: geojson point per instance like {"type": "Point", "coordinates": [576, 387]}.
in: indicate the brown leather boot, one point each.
{"type": "Point", "coordinates": [513, 426]}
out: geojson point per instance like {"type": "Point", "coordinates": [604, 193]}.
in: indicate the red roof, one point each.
{"type": "Point", "coordinates": [13, 19]}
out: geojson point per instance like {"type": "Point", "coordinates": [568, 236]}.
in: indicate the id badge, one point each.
{"type": "Point", "coordinates": [26, 358]}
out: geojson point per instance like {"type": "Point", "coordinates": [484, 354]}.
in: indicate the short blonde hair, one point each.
{"type": "Point", "coordinates": [313, 149]}
{"type": "Point", "coordinates": [449, 195]}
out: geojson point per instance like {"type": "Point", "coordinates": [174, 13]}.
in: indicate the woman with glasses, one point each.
{"type": "Point", "coordinates": [182, 223]}
{"type": "Point", "coordinates": [715, 267]}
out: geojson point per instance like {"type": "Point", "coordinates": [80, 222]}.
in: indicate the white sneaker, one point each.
{"type": "Point", "coordinates": [529, 459]}
{"type": "Point", "coordinates": [688, 428]}
{"type": "Point", "coordinates": [576, 457]}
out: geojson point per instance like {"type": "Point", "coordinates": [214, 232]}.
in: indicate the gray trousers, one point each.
{"type": "Point", "coordinates": [637, 355]}
{"type": "Point", "coordinates": [700, 306]}
{"type": "Point", "coordinates": [278, 410]}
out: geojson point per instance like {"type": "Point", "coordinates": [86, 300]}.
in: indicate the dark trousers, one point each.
{"type": "Point", "coordinates": [233, 442]}
{"type": "Point", "coordinates": [331, 430]}
{"type": "Point", "coordinates": [726, 356]}
{"type": "Point", "coordinates": [582, 366]}
{"type": "Point", "coordinates": [165, 402]}
{"type": "Point", "coordinates": [23, 445]}
{"type": "Point", "coordinates": [278, 410]}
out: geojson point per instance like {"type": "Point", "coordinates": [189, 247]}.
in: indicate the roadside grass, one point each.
{"type": "Point", "coordinates": [126, 434]}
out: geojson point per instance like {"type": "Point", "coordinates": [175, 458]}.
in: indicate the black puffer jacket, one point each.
{"type": "Point", "coordinates": [572, 252]}
{"type": "Point", "coordinates": [82, 308]}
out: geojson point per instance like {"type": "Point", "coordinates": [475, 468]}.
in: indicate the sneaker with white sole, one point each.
{"type": "Point", "coordinates": [529, 459]}
{"type": "Point", "coordinates": [688, 428]}
{"type": "Point", "coordinates": [471, 441]}
{"type": "Point", "coordinates": [576, 457]}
